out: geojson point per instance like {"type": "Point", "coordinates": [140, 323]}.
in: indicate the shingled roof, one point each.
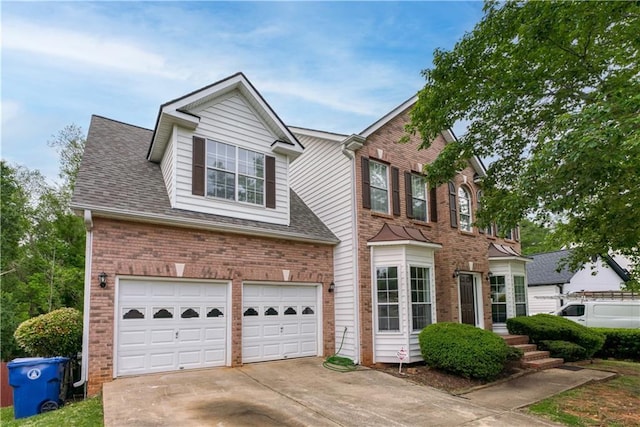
{"type": "Point", "coordinates": [117, 180]}
{"type": "Point", "coordinates": [543, 269]}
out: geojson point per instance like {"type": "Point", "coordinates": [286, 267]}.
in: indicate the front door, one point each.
{"type": "Point", "coordinates": [467, 300]}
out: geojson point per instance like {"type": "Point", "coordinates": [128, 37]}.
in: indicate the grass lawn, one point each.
{"type": "Point", "coordinates": [84, 413]}
{"type": "Point", "coordinates": [615, 402]}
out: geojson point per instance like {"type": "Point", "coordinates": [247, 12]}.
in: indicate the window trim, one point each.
{"type": "Point", "coordinates": [464, 226]}
{"type": "Point", "coordinates": [236, 174]}
{"type": "Point", "coordinates": [409, 177]}
{"type": "Point", "coordinates": [378, 303]}
{"type": "Point", "coordinates": [516, 303]}
{"type": "Point", "coordinates": [430, 303]}
{"type": "Point", "coordinates": [372, 187]}
{"type": "Point", "coordinates": [503, 303]}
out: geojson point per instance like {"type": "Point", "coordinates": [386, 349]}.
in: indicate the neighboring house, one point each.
{"type": "Point", "coordinates": [223, 237]}
{"type": "Point", "coordinates": [547, 283]}
{"type": "Point", "coordinates": [210, 258]}
{"type": "Point", "coordinates": [409, 254]}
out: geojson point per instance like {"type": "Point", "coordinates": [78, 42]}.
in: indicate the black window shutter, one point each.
{"type": "Point", "coordinates": [408, 193]}
{"type": "Point", "coordinates": [198, 167]}
{"type": "Point", "coordinates": [270, 181]}
{"type": "Point", "coordinates": [395, 187]}
{"type": "Point", "coordinates": [366, 190]}
{"type": "Point", "coordinates": [433, 204]}
{"type": "Point", "coordinates": [479, 199]}
{"type": "Point", "coordinates": [453, 208]}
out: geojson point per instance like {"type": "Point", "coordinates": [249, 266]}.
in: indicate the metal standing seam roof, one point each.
{"type": "Point", "coordinates": [543, 269]}
{"type": "Point", "coordinates": [116, 178]}
{"type": "Point", "coordinates": [398, 233]}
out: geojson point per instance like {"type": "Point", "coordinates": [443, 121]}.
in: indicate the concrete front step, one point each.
{"type": "Point", "coordinates": [515, 339]}
{"type": "Point", "coordinates": [535, 355]}
{"type": "Point", "coordinates": [547, 363]}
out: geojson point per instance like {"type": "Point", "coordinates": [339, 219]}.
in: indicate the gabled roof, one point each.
{"type": "Point", "coordinates": [397, 234]}
{"type": "Point", "coordinates": [447, 134]}
{"type": "Point", "coordinates": [117, 181]}
{"type": "Point", "coordinates": [177, 111]}
{"type": "Point", "coordinates": [497, 252]}
{"type": "Point", "coordinates": [543, 269]}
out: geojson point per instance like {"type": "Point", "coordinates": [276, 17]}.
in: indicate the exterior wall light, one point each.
{"type": "Point", "coordinates": [102, 277]}
{"type": "Point", "coordinates": [332, 287]}
{"type": "Point", "coordinates": [489, 275]}
{"type": "Point", "coordinates": [456, 273]}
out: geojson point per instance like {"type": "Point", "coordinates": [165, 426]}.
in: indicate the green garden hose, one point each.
{"type": "Point", "coordinates": [339, 363]}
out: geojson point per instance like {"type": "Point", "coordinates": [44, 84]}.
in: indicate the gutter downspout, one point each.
{"type": "Point", "coordinates": [349, 146]}
{"type": "Point", "coordinates": [84, 367]}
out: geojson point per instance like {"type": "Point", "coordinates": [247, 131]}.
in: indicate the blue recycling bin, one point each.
{"type": "Point", "coordinates": [36, 384]}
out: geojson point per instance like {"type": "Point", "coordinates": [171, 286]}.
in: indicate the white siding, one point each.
{"type": "Point", "coordinates": [420, 257]}
{"type": "Point", "coordinates": [231, 120]}
{"type": "Point", "coordinates": [539, 305]}
{"type": "Point", "coordinates": [168, 168]}
{"type": "Point", "coordinates": [387, 344]}
{"type": "Point", "coordinates": [509, 269]}
{"type": "Point", "coordinates": [605, 279]}
{"type": "Point", "coordinates": [322, 177]}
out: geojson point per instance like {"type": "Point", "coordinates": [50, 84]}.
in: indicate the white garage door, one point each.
{"type": "Point", "coordinates": [279, 322]}
{"type": "Point", "coordinates": [166, 326]}
{"type": "Point", "coordinates": [542, 305]}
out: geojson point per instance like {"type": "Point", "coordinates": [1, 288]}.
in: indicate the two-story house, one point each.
{"type": "Point", "coordinates": [198, 253]}
{"type": "Point", "coordinates": [223, 237]}
{"type": "Point", "coordinates": [409, 253]}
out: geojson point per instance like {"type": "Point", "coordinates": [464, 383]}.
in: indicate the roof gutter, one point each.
{"type": "Point", "coordinates": [201, 224]}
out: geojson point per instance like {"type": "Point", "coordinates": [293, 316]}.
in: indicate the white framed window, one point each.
{"type": "Point", "coordinates": [387, 299]}
{"type": "Point", "coordinates": [498, 299]}
{"type": "Point", "coordinates": [519, 289]}
{"type": "Point", "coordinates": [420, 298]}
{"type": "Point", "coordinates": [234, 173]}
{"type": "Point", "coordinates": [419, 197]}
{"type": "Point", "coordinates": [464, 207]}
{"type": "Point", "coordinates": [379, 176]}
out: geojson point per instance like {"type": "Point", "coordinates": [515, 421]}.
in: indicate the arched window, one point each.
{"type": "Point", "coordinates": [464, 201]}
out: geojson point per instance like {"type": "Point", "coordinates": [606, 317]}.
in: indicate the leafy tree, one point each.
{"type": "Point", "coordinates": [42, 259]}
{"type": "Point", "coordinates": [552, 89]}
{"type": "Point", "coordinates": [536, 238]}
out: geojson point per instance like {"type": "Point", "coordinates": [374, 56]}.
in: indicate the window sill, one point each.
{"type": "Point", "coordinates": [382, 215]}
{"type": "Point", "coordinates": [467, 233]}
{"type": "Point", "coordinates": [422, 223]}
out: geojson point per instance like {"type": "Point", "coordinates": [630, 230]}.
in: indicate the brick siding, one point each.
{"type": "Point", "coordinates": [138, 249]}
{"type": "Point", "coordinates": [458, 248]}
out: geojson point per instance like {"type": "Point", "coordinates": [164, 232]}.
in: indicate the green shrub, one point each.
{"type": "Point", "coordinates": [58, 333]}
{"type": "Point", "coordinates": [620, 343]}
{"type": "Point", "coordinates": [547, 327]}
{"type": "Point", "coordinates": [568, 351]}
{"type": "Point", "coordinates": [514, 353]}
{"type": "Point", "coordinates": [463, 350]}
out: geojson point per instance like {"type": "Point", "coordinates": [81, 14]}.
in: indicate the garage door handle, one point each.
{"type": "Point", "coordinates": [177, 334]}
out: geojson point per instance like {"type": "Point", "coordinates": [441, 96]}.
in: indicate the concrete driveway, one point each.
{"type": "Point", "coordinates": [298, 392]}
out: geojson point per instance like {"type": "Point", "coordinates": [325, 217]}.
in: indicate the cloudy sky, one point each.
{"type": "Point", "coordinates": [335, 66]}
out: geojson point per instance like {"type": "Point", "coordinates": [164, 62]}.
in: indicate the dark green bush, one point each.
{"type": "Point", "coordinates": [547, 327]}
{"type": "Point", "coordinates": [566, 350]}
{"type": "Point", "coordinates": [58, 333]}
{"type": "Point", "coordinates": [463, 350]}
{"type": "Point", "coordinates": [620, 343]}
{"type": "Point", "coordinates": [514, 353]}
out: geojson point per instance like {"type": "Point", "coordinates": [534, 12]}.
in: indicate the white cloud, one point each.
{"type": "Point", "coordinates": [9, 110]}
{"type": "Point", "coordinates": [99, 51]}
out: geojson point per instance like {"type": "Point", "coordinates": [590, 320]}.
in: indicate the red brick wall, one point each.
{"type": "Point", "coordinates": [137, 249]}
{"type": "Point", "coordinates": [458, 248]}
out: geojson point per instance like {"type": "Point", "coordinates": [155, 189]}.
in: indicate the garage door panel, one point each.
{"type": "Point", "coordinates": [278, 329]}
{"type": "Point", "coordinates": [167, 326]}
